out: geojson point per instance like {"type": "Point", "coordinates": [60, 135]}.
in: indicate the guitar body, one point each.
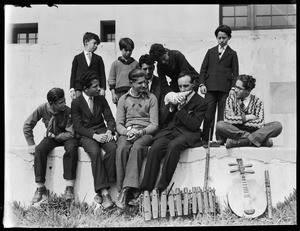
{"type": "Point", "coordinates": [249, 207]}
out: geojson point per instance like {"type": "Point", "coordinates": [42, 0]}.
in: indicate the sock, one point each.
{"type": "Point", "coordinates": [40, 184]}
{"type": "Point", "coordinates": [70, 183]}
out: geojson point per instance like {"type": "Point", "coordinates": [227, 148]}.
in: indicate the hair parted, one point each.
{"type": "Point", "coordinates": [188, 73]}
{"type": "Point", "coordinates": [135, 74]}
{"type": "Point", "coordinates": [223, 28]}
{"type": "Point", "coordinates": [89, 36]}
{"type": "Point", "coordinates": [54, 94]}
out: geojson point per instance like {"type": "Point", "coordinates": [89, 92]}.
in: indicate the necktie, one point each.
{"type": "Point", "coordinates": [89, 55]}
{"type": "Point", "coordinates": [91, 104]}
{"type": "Point", "coordinates": [51, 126]}
{"type": "Point", "coordinates": [221, 51]}
{"type": "Point", "coordinates": [242, 105]}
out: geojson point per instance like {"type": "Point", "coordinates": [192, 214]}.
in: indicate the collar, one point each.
{"type": "Point", "coordinates": [128, 61]}
{"type": "Point", "coordinates": [50, 109]}
{"type": "Point", "coordinates": [188, 98]}
{"type": "Point", "coordinates": [224, 48]}
{"type": "Point", "coordinates": [246, 100]}
{"type": "Point", "coordinates": [86, 97]}
{"type": "Point", "coordinates": [141, 95]}
{"type": "Point", "coordinates": [87, 52]}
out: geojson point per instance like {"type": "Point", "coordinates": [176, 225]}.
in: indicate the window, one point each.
{"type": "Point", "coordinates": [25, 33]}
{"type": "Point", "coordinates": [272, 16]}
{"type": "Point", "coordinates": [107, 31]}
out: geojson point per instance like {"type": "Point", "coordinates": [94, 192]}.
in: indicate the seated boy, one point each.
{"type": "Point", "coordinates": [57, 118]}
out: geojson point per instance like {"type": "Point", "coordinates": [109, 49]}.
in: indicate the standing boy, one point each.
{"type": "Point", "coordinates": [57, 118]}
{"type": "Point", "coordinates": [217, 78]}
{"type": "Point", "coordinates": [182, 132]}
{"type": "Point", "coordinates": [89, 111]}
{"type": "Point", "coordinates": [87, 60]}
{"type": "Point", "coordinates": [118, 75]}
{"type": "Point", "coordinates": [137, 121]}
{"type": "Point", "coordinates": [244, 123]}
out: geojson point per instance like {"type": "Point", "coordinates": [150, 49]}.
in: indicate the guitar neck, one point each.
{"type": "Point", "coordinates": [246, 192]}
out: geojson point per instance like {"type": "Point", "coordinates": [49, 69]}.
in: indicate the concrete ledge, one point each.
{"type": "Point", "coordinates": [280, 161]}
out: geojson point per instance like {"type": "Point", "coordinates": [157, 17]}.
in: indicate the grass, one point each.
{"type": "Point", "coordinates": [61, 214]}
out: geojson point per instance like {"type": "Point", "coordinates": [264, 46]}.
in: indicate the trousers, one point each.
{"type": "Point", "coordinates": [129, 160]}
{"type": "Point", "coordinates": [256, 136]}
{"type": "Point", "coordinates": [215, 99]}
{"type": "Point", "coordinates": [70, 158]}
{"type": "Point", "coordinates": [170, 147]}
{"type": "Point", "coordinates": [103, 166]}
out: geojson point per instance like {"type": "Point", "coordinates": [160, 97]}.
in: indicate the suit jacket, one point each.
{"type": "Point", "coordinates": [188, 120]}
{"type": "Point", "coordinates": [86, 123]}
{"type": "Point", "coordinates": [155, 89]}
{"type": "Point", "coordinates": [219, 74]}
{"type": "Point", "coordinates": [79, 66]}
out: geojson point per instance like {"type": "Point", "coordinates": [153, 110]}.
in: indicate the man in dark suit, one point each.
{"type": "Point", "coordinates": [87, 60]}
{"type": "Point", "coordinates": [218, 74]}
{"type": "Point", "coordinates": [146, 63]}
{"type": "Point", "coordinates": [89, 111]}
{"type": "Point", "coordinates": [182, 132]}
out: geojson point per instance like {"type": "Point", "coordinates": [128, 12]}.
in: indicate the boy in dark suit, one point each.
{"type": "Point", "coordinates": [182, 132]}
{"type": "Point", "coordinates": [218, 74]}
{"type": "Point", "coordinates": [87, 60]}
{"type": "Point", "coordinates": [89, 111]}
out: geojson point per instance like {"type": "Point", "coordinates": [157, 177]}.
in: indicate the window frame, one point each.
{"type": "Point", "coordinates": [252, 18]}
{"type": "Point", "coordinates": [24, 28]}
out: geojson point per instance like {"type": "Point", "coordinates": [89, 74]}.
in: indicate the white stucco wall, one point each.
{"type": "Point", "coordinates": [32, 70]}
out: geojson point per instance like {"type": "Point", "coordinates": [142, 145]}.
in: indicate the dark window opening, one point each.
{"type": "Point", "coordinates": [107, 31]}
{"type": "Point", "coordinates": [25, 33]}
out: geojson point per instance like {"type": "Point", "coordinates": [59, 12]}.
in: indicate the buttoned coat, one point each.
{"type": "Point", "coordinates": [79, 66]}
{"type": "Point", "coordinates": [219, 74]}
{"type": "Point", "coordinates": [86, 123]}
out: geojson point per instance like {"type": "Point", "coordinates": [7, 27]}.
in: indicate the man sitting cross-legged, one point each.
{"type": "Point", "coordinates": [244, 123]}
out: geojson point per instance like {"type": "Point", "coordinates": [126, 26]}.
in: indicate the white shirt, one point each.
{"type": "Point", "coordinates": [86, 57]}
{"type": "Point", "coordinates": [221, 50]}
{"type": "Point", "coordinates": [87, 98]}
{"type": "Point", "coordinates": [246, 101]}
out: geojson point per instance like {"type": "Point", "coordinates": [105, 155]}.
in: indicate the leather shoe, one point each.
{"type": "Point", "coordinates": [38, 195]}
{"type": "Point", "coordinates": [98, 198]}
{"type": "Point", "coordinates": [122, 198]}
{"type": "Point", "coordinates": [267, 143]}
{"type": "Point", "coordinates": [242, 142]}
{"type": "Point", "coordinates": [107, 201]}
{"type": "Point", "coordinates": [69, 193]}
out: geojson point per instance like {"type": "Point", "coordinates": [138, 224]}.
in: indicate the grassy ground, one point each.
{"type": "Point", "coordinates": [58, 213]}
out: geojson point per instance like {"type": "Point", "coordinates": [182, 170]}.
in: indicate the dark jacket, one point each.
{"type": "Point", "coordinates": [87, 124]}
{"type": "Point", "coordinates": [188, 120]}
{"type": "Point", "coordinates": [219, 74]}
{"type": "Point", "coordinates": [79, 66]}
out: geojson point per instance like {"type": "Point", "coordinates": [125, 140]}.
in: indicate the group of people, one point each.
{"type": "Point", "coordinates": [155, 118]}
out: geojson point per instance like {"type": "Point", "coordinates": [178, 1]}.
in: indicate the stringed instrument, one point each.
{"type": "Point", "coordinates": [245, 197]}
